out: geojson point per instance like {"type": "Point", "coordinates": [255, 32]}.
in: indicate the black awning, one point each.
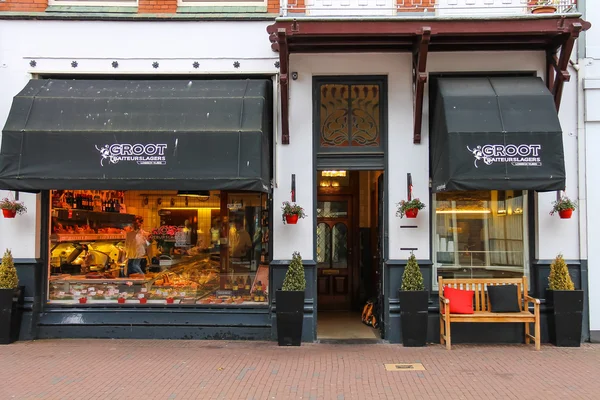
{"type": "Point", "coordinates": [132, 135]}
{"type": "Point", "coordinates": [495, 134]}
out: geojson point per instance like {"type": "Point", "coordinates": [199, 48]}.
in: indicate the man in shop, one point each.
{"type": "Point", "coordinates": [136, 245]}
{"type": "Point", "coordinates": [241, 241]}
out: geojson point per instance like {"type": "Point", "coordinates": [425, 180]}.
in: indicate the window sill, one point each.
{"type": "Point", "coordinates": [93, 9]}
{"type": "Point", "coordinates": [221, 9]}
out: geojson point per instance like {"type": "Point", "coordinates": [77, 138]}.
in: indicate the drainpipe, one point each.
{"type": "Point", "coordinates": [581, 160]}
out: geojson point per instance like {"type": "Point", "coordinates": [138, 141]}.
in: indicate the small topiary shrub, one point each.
{"type": "Point", "coordinates": [294, 277]}
{"type": "Point", "coordinates": [412, 279]}
{"type": "Point", "coordinates": [8, 273]}
{"type": "Point", "coordinates": [559, 278]}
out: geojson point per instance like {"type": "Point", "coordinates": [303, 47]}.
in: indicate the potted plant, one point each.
{"type": "Point", "coordinates": [10, 208]}
{"type": "Point", "coordinates": [290, 304]}
{"type": "Point", "coordinates": [409, 208]}
{"type": "Point", "coordinates": [414, 300]}
{"type": "Point", "coordinates": [8, 289]}
{"type": "Point", "coordinates": [543, 6]}
{"type": "Point", "coordinates": [291, 212]}
{"type": "Point", "coordinates": [564, 206]}
{"type": "Point", "coordinates": [565, 322]}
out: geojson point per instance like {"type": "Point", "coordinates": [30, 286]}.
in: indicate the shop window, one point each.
{"type": "Point", "coordinates": [480, 234]}
{"type": "Point", "coordinates": [179, 248]}
{"type": "Point", "coordinates": [350, 116]}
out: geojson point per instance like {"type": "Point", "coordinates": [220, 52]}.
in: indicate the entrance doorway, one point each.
{"type": "Point", "coordinates": [347, 247]}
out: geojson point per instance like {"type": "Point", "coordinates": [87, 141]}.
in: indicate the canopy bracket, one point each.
{"type": "Point", "coordinates": [284, 68]}
{"type": "Point", "coordinates": [419, 70]}
{"type": "Point", "coordinates": [558, 69]}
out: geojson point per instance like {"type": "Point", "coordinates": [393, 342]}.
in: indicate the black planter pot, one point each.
{"type": "Point", "coordinates": [10, 321]}
{"type": "Point", "coordinates": [566, 319]}
{"type": "Point", "coordinates": [290, 314]}
{"type": "Point", "coordinates": [413, 317]}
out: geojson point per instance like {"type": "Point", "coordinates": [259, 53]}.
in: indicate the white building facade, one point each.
{"type": "Point", "coordinates": [353, 244]}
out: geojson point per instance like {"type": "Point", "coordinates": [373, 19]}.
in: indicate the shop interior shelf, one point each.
{"type": "Point", "coordinates": [84, 237]}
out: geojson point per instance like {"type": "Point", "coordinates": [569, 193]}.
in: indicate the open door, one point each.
{"type": "Point", "coordinates": [380, 254]}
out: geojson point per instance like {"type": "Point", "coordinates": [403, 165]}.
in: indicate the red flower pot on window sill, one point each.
{"type": "Point", "coordinates": [9, 213]}
{"type": "Point", "coordinates": [291, 219]}
{"type": "Point", "coordinates": [82, 300]}
{"type": "Point", "coordinates": [565, 214]}
{"type": "Point", "coordinates": [143, 300]}
{"type": "Point", "coordinates": [121, 300]}
{"type": "Point", "coordinates": [412, 213]}
{"type": "Point", "coordinates": [170, 300]}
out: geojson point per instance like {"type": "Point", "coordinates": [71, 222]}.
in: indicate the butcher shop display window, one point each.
{"type": "Point", "coordinates": [151, 247]}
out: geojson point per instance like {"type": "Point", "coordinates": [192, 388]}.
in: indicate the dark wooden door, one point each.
{"type": "Point", "coordinates": [334, 252]}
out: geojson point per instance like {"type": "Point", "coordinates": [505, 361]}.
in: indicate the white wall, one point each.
{"type": "Point", "coordinates": [553, 235]}
{"type": "Point", "coordinates": [590, 68]}
{"type": "Point", "coordinates": [135, 46]}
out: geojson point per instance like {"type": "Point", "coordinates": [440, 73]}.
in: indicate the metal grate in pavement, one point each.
{"type": "Point", "coordinates": [405, 367]}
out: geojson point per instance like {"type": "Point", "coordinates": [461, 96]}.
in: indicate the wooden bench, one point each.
{"type": "Point", "coordinates": [482, 309]}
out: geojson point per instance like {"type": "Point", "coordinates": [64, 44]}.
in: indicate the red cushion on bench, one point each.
{"type": "Point", "coordinates": [461, 301]}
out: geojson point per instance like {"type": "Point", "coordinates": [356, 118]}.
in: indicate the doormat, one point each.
{"type": "Point", "coordinates": [405, 367]}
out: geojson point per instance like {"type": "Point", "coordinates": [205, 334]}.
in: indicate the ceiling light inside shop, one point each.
{"type": "Point", "coordinates": [334, 174]}
{"type": "Point", "coordinates": [462, 211]}
{"type": "Point", "coordinates": [201, 195]}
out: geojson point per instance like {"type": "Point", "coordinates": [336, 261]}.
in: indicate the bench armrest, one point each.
{"type": "Point", "coordinates": [444, 305]}
{"type": "Point", "coordinates": [530, 299]}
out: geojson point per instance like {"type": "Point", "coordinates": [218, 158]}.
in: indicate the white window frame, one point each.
{"type": "Point", "coordinates": [526, 266]}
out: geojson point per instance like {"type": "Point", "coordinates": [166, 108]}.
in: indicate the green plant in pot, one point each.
{"type": "Point", "coordinates": [565, 322]}
{"type": "Point", "coordinates": [290, 304]}
{"type": "Point", "coordinates": [291, 212]}
{"type": "Point", "coordinates": [8, 286]}
{"type": "Point", "coordinates": [564, 207]}
{"type": "Point", "coordinates": [10, 208]}
{"type": "Point", "coordinates": [414, 301]}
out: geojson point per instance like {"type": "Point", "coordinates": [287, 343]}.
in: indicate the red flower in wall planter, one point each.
{"type": "Point", "coordinates": [291, 212]}
{"type": "Point", "coordinates": [10, 208]}
{"type": "Point", "coordinates": [409, 208]}
{"type": "Point", "coordinates": [564, 207]}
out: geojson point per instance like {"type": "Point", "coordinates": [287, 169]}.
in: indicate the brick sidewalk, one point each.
{"type": "Point", "coordinates": [153, 369]}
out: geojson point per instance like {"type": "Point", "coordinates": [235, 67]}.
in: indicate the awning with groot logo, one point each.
{"type": "Point", "coordinates": [130, 134]}
{"type": "Point", "coordinates": [495, 134]}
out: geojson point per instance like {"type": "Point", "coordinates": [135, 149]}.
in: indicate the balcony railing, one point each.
{"type": "Point", "coordinates": [456, 8]}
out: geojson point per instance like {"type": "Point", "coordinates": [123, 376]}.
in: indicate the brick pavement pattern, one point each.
{"type": "Point", "coordinates": [168, 370]}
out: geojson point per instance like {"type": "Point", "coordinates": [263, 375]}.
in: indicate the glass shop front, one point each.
{"type": "Point", "coordinates": [168, 248]}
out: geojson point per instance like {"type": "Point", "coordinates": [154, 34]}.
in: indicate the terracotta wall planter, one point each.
{"type": "Point", "coordinates": [291, 219]}
{"type": "Point", "coordinates": [565, 214]}
{"type": "Point", "coordinates": [544, 10]}
{"type": "Point", "coordinates": [9, 213]}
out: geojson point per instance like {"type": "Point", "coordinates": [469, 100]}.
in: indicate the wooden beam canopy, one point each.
{"type": "Point", "coordinates": [316, 35]}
